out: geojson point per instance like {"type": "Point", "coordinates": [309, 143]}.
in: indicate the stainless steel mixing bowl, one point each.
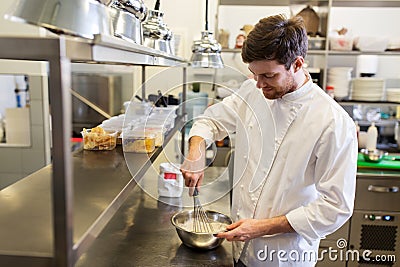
{"type": "Point", "coordinates": [202, 241]}
{"type": "Point", "coordinates": [375, 155]}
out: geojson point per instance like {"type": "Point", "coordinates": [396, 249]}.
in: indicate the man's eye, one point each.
{"type": "Point", "coordinates": [269, 75]}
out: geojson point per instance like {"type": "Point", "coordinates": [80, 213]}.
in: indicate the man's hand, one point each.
{"type": "Point", "coordinates": [247, 229]}
{"type": "Point", "coordinates": [193, 166]}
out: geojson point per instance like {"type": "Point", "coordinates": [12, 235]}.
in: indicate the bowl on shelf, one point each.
{"type": "Point", "coordinates": [374, 155]}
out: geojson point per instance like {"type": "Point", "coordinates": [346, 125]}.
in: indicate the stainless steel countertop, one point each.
{"type": "Point", "coordinates": [140, 228]}
{"type": "Point", "coordinates": [141, 234]}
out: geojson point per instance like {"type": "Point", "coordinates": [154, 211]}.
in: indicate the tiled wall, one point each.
{"type": "Point", "coordinates": [18, 162]}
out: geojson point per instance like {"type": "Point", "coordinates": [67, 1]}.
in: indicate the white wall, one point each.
{"type": "Point", "coordinates": [18, 161]}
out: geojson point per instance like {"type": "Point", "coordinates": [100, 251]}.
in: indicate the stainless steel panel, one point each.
{"type": "Point", "coordinates": [378, 194]}
{"type": "Point", "coordinates": [105, 91]}
{"type": "Point", "coordinates": [380, 237]}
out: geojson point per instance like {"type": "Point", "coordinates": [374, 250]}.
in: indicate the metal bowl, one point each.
{"type": "Point", "coordinates": [201, 241]}
{"type": "Point", "coordinates": [375, 155]}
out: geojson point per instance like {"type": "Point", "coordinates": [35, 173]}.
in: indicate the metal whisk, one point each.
{"type": "Point", "coordinates": [201, 222]}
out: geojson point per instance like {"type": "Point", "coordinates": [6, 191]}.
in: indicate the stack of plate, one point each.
{"type": "Point", "coordinates": [368, 89]}
{"type": "Point", "coordinates": [393, 94]}
{"type": "Point", "coordinates": [339, 78]}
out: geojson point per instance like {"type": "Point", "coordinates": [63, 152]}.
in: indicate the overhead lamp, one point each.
{"type": "Point", "coordinates": [207, 51]}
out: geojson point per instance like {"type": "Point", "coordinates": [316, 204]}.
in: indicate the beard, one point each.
{"type": "Point", "coordinates": [274, 92]}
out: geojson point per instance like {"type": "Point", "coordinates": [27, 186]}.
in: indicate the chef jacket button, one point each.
{"type": "Point", "coordinates": [245, 157]}
{"type": "Point", "coordinates": [241, 186]}
{"type": "Point", "coordinates": [238, 214]}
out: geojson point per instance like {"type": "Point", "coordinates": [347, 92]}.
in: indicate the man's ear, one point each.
{"type": "Point", "coordinates": [298, 64]}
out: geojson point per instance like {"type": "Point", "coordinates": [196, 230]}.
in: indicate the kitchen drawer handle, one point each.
{"type": "Point", "coordinates": [383, 189]}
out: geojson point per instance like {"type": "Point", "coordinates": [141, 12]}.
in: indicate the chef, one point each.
{"type": "Point", "coordinates": [295, 152]}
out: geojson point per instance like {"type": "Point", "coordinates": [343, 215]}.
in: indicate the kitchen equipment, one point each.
{"type": "Point", "coordinates": [206, 51]}
{"type": "Point", "coordinates": [201, 223]}
{"type": "Point", "coordinates": [316, 43]}
{"type": "Point", "coordinates": [103, 91]}
{"type": "Point", "coordinates": [83, 18]}
{"type": "Point", "coordinates": [339, 78]}
{"type": "Point", "coordinates": [367, 65]}
{"type": "Point", "coordinates": [156, 33]}
{"type": "Point", "coordinates": [126, 25]}
{"type": "Point", "coordinates": [375, 222]}
{"type": "Point", "coordinates": [202, 241]}
{"type": "Point", "coordinates": [375, 155]}
{"type": "Point", "coordinates": [135, 7]}
{"type": "Point", "coordinates": [388, 162]}
{"type": "Point", "coordinates": [367, 89]}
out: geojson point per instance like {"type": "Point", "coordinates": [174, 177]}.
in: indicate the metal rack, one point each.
{"type": "Point", "coordinates": [60, 52]}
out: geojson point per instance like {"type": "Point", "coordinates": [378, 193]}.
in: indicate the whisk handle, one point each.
{"type": "Point", "coordinates": [195, 192]}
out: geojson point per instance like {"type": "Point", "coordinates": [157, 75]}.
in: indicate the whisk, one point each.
{"type": "Point", "coordinates": [201, 222]}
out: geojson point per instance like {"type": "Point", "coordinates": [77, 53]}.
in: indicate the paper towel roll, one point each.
{"type": "Point", "coordinates": [367, 64]}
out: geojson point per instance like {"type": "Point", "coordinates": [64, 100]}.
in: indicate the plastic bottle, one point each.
{"type": "Point", "coordinates": [372, 136]}
{"type": "Point", "coordinates": [240, 38]}
{"type": "Point", "coordinates": [358, 129]}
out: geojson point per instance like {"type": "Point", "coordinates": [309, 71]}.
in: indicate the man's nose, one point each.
{"type": "Point", "coordinates": [260, 81]}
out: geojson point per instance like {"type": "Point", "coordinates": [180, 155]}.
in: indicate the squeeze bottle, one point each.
{"type": "Point", "coordinates": [372, 137]}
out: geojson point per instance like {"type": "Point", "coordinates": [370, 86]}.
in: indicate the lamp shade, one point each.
{"type": "Point", "coordinates": [206, 52]}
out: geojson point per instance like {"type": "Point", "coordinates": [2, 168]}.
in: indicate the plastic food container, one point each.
{"type": "Point", "coordinates": [157, 130]}
{"type": "Point", "coordinates": [164, 110]}
{"type": "Point", "coordinates": [167, 121]}
{"type": "Point", "coordinates": [341, 43]}
{"type": "Point", "coordinates": [138, 108]}
{"type": "Point", "coordinates": [138, 141]}
{"type": "Point", "coordinates": [99, 139]}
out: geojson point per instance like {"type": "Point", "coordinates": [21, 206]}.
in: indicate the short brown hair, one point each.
{"type": "Point", "coordinates": [276, 38]}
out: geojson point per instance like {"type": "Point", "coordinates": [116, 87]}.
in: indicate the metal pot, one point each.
{"type": "Point", "coordinates": [83, 18]}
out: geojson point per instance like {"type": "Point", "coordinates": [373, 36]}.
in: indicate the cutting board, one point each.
{"type": "Point", "coordinates": [386, 163]}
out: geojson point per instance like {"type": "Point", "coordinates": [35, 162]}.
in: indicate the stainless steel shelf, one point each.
{"type": "Point", "coordinates": [365, 3]}
{"type": "Point", "coordinates": [369, 103]}
{"type": "Point", "coordinates": [102, 182]}
{"type": "Point", "coordinates": [58, 188]}
{"type": "Point", "coordinates": [103, 49]}
{"type": "Point", "coordinates": [271, 2]}
{"type": "Point", "coordinates": [335, 3]}
{"type": "Point", "coordinates": [357, 53]}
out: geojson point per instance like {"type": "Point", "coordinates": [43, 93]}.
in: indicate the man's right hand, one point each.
{"type": "Point", "coordinates": [193, 166]}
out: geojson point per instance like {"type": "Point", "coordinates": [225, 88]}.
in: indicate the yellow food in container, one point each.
{"type": "Point", "coordinates": [98, 139]}
{"type": "Point", "coordinates": [138, 141]}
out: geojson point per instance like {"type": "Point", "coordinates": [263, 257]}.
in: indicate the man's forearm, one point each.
{"type": "Point", "coordinates": [197, 147]}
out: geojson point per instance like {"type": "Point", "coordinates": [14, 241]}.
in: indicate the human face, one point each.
{"type": "Point", "coordinates": [273, 78]}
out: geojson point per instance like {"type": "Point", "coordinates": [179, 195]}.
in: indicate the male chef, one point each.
{"type": "Point", "coordinates": [295, 152]}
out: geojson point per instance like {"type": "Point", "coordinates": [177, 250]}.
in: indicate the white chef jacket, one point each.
{"type": "Point", "coordinates": [294, 156]}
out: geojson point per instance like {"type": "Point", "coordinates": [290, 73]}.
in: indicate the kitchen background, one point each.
{"type": "Point", "coordinates": [186, 20]}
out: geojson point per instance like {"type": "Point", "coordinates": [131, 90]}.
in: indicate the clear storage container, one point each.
{"type": "Point", "coordinates": [99, 139]}
{"type": "Point", "coordinates": [138, 141]}
{"type": "Point", "coordinates": [157, 130]}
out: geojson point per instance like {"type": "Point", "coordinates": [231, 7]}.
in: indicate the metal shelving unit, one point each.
{"type": "Point", "coordinates": [67, 241]}
{"type": "Point", "coordinates": [321, 57]}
